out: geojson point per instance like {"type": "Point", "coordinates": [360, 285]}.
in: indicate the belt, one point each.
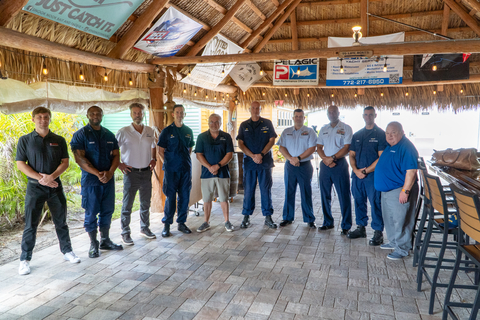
{"type": "Point", "coordinates": [140, 170]}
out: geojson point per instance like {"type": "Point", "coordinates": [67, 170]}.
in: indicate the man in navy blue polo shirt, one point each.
{"type": "Point", "coordinates": [214, 150]}
{"type": "Point", "coordinates": [367, 146]}
{"type": "Point", "coordinates": [176, 142]}
{"type": "Point", "coordinates": [256, 137]}
{"type": "Point", "coordinates": [96, 152]}
{"type": "Point", "coordinates": [396, 178]}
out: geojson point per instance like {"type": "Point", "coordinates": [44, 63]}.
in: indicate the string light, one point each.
{"type": "Point", "coordinates": [184, 89]}
{"type": "Point", "coordinates": [195, 93]}
{"type": "Point", "coordinates": [189, 73]}
{"type": "Point", "coordinates": [105, 77]}
{"type": "Point", "coordinates": [298, 71]}
{"type": "Point", "coordinates": [130, 81]}
{"type": "Point", "coordinates": [81, 76]}
{"type": "Point", "coordinates": [223, 71]}
{"type": "Point", "coordinates": [332, 95]}
{"type": "Point", "coordinates": [434, 92]}
{"type": "Point", "coordinates": [263, 93]}
{"type": "Point", "coordinates": [341, 66]}
{"type": "Point", "coordinates": [434, 68]}
{"type": "Point", "coordinates": [206, 96]}
{"type": "Point", "coordinates": [215, 97]}
{"type": "Point", "coordinates": [44, 68]}
{"type": "Point", "coordinates": [461, 90]}
{"type": "Point", "coordinates": [261, 72]}
{"type": "Point", "coordinates": [381, 94]}
{"type": "Point", "coordinates": [406, 94]}
{"type": "Point", "coordinates": [308, 95]}
{"type": "Point", "coordinates": [385, 65]}
{"type": "Point", "coordinates": [355, 95]}
{"type": "Point", "coordinates": [228, 95]}
{"type": "Point", "coordinates": [243, 92]}
{"type": "Point", "coordinates": [286, 95]}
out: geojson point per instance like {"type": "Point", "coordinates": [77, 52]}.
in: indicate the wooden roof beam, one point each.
{"type": "Point", "coordinates": [331, 3]}
{"type": "Point", "coordinates": [363, 16]}
{"type": "Point", "coordinates": [293, 19]}
{"type": "Point", "coordinates": [277, 25]}
{"type": "Point", "coordinates": [257, 11]}
{"type": "Point", "coordinates": [224, 11]}
{"type": "Point", "coordinates": [474, 4]}
{"type": "Point", "coordinates": [408, 48]}
{"type": "Point", "coordinates": [445, 19]}
{"type": "Point", "coordinates": [469, 20]}
{"type": "Point", "coordinates": [9, 9]}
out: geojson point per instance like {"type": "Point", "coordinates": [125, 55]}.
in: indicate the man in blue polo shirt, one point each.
{"type": "Point", "coordinates": [297, 144]}
{"type": "Point", "coordinates": [396, 178]}
{"type": "Point", "coordinates": [256, 137]}
{"type": "Point", "coordinates": [96, 152]}
{"type": "Point", "coordinates": [214, 151]}
{"type": "Point", "coordinates": [176, 142]}
{"type": "Point", "coordinates": [367, 146]}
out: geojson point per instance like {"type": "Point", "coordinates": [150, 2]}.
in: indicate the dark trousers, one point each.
{"type": "Point", "coordinates": [338, 176]}
{"type": "Point", "coordinates": [265, 183]}
{"type": "Point", "coordinates": [132, 182]}
{"type": "Point", "coordinates": [301, 176]}
{"type": "Point", "coordinates": [363, 189]}
{"type": "Point", "coordinates": [35, 199]}
{"type": "Point", "coordinates": [176, 183]}
{"type": "Point", "coordinates": [98, 200]}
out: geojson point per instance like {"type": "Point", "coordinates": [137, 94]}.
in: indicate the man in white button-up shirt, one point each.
{"type": "Point", "coordinates": [333, 143]}
{"type": "Point", "coordinates": [138, 155]}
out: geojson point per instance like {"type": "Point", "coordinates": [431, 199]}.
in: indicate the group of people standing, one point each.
{"type": "Point", "coordinates": [383, 171]}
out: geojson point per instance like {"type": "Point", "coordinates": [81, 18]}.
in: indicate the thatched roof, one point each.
{"type": "Point", "coordinates": [316, 20]}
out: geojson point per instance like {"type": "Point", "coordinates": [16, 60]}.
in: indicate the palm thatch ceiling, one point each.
{"type": "Point", "coordinates": [266, 29]}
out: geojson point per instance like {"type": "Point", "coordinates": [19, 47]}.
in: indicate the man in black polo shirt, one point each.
{"type": "Point", "coordinates": [214, 151]}
{"type": "Point", "coordinates": [43, 157]}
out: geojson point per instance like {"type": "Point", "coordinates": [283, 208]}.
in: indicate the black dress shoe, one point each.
{"type": "Point", "coordinates": [269, 222]}
{"type": "Point", "coordinates": [344, 232]}
{"type": "Point", "coordinates": [94, 252]}
{"type": "Point", "coordinates": [312, 225]}
{"type": "Point", "coordinates": [323, 228]}
{"type": "Point", "coordinates": [166, 231]}
{"type": "Point", "coordinates": [360, 232]}
{"type": "Point", "coordinates": [377, 238]}
{"type": "Point", "coordinates": [246, 222]}
{"type": "Point", "coordinates": [285, 222]}
{"type": "Point", "coordinates": [182, 227]}
{"type": "Point", "coordinates": [106, 243]}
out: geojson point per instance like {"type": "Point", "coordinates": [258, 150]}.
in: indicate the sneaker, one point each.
{"type": "Point", "coordinates": [147, 233]}
{"type": "Point", "coordinates": [24, 267]}
{"type": "Point", "coordinates": [204, 227]}
{"type": "Point", "coordinates": [72, 257]}
{"type": "Point", "coordinates": [228, 226]}
{"type": "Point", "coordinates": [395, 256]}
{"type": "Point", "coordinates": [126, 239]}
{"type": "Point", "coordinates": [360, 232]}
{"type": "Point", "coordinates": [387, 246]}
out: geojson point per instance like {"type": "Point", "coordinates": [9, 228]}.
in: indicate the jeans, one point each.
{"type": "Point", "coordinates": [132, 182]}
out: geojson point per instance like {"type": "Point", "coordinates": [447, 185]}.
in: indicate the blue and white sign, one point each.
{"type": "Point", "coordinates": [169, 34]}
{"type": "Point", "coordinates": [295, 72]}
{"type": "Point", "coordinates": [365, 71]}
{"type": "Point", "coordinates": [98, 17]}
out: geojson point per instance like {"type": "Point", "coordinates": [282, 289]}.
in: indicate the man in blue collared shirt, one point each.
{"type": "Point", "coordinates": [367, 146]}
{"type": "Point", "coordinates": [256, 137]}
{"type": "Point", "coordinates": [96, 152]}
{"type": "Point", "coordinates": [332, 146]}
{"type": "Point", "coordinates": [176, 142]}
{"type": "Point", "coordinates": [297, 144]}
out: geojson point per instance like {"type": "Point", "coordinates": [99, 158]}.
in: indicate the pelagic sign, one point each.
{"type": "Point", "coordinates": [98, 17]}
{"type": "Point", "coordinates": [295, 72]}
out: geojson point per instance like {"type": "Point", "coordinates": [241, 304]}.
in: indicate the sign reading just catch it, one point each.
{"type": "Point", "coordinates": [295, 72]}
{"type": "Point", "coordinates": [98, 17]}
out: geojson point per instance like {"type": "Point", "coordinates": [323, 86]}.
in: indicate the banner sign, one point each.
{"type": "Point", "coordinates": [98, 17]}
{"type": "Point", "coordinates": [365, 71]}
{"type": "Point", "coordinates": [209, 75]}
{"type": "Point", "coordinates": [449, 67]}
{"type": "Point", "coordinates": [245, 75]}
{"type": "Point", "coordinates": [169, 34]}
{"type": "Point", "coordinates": [295, 72]}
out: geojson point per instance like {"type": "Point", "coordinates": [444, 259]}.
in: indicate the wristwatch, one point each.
{"type": "Point", "coordinates": [364, 171]}
{"type": "Point", "coordinates": [406, 191]}
{"type": "Point", "coordinates": [262, 154]}
{"type": "Point", "coordinates": [334, 158]}
{"type": "Point", "coordinates": [219, 165]}
{"type": "Point", "coordinates": [299, 158]}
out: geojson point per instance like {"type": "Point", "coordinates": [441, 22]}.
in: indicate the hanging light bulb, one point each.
{"type": "Point", "coordinates": [381, 94]}
{"type": "Point", "coordinates": [130, 81]}
{"type": "Point", "coordinates": [44, 68]}
{"type": "Point", "coordinates": [385, 65]}
{"type": "Point", "coordinates": [355, 95]}
{"type": "Point", "coordinates": [434, 92]}
{"type": "Point", "coordinates": [298, 71]}
{"type": "Point", "coordinates": [243, 92]}
{"type": "Point", "coordinates": [461, 90]}
{"type": "Point", "coordinates": [263, 93]}
{"type": "Point", "coordinates": [184, 89]}
{"type": "Point", "coordinates": [261, 72]}
{"type": "Point", "coordinates": [195, 93]}
{"type": "Point", "coordinates": [81, 76]}
{"type": "Point", "coordinates": [286, 94]}
{"type": "Point", "coordinates": [215, 97]}
{"type": "Point", "coordinates": [406, 94]}
{"type": "Point", "coordinates": [223, 71]}
{"type": "Point", "coordinates": [206, 96]}
{"type": "Point", "coordinates": [434, 68]}
{"type": "Point", "coordinates": [332, 95]}
{"type": "Point", "coordinates": [105, 77]}
{"type": "Point", "coordinates": [308, 95]}
{"type": "Point", "coordinates": [228, 95]}
{"type": "Point", "coordinates": [189, 74]}
{"type": "Point", "coordinates": [341, 66]}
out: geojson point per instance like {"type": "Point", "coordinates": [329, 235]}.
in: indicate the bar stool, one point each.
{"type": "Point", "coordinates": [468, 206]}
{"type": "Point", "coordinates": [438, 204]}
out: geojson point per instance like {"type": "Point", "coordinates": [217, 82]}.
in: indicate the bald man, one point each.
{"type": "Point", "coordinates": [333, 143]}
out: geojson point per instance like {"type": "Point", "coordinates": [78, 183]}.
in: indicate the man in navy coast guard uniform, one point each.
{"type": "Point", "coordinates": [367, 146]}
{"type": "Point", "coordinates": [333, 143]}
{"type": "Point", "coordinates": [256, 137]}
{"type": "Point", "coordinates": [297, 144]}
{"type": "Point", "coordinates": [176, 142]}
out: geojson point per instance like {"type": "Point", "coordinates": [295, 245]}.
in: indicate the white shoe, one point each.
{"type": "Point", "coordinates": [72, 257]}
{"type": "Point", "coordinates": [24, 267]}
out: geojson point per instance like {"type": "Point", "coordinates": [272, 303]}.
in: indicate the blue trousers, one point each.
{"type": "Point", "coordinates": [338, 176]}
{"type": "Point", "coordinates": [363, 189]}
{"type": "Point", "coordinates": [250, 183]}
{"type": "Point", "coordinates": [176, 183]}
{"type": "Point", "coordinates": [301, 176]}
{"type": "Point", "coordinates": [98, 200]}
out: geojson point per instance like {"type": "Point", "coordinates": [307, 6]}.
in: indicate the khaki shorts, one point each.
{"type": "Point", "coordinates": [222, 185]}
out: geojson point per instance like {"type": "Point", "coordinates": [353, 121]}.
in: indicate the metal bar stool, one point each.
{"type": "Point", "coordinates": [420, 223]}
{"type": "Point", "coordinates": [468, 206]}
{"type": "Point", "coordinates": [440, 204]}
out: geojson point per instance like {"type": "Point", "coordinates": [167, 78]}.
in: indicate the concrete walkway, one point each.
{"type": "Point", "coordinates": [254, 273]}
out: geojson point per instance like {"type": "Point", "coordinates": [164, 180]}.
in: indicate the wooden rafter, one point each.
{"type": "Point", "coordinates": [445, 19]}
{"type": "Point", "coordinates": [364, 17]}
{"type": "Point", "coordinates": [223, 10]}
{"type": "Point", "coordinates": [205, 26]}
{"type": "Point", "coordinates": [275, 27]}
{"type": "Point", "coordinates": [474, 4]}
{"type": "Point", "coordinates": [255, 9]}
{"type": "Point", "coordinates": [9, 9]}
{"type": "Point", "coordinates": [293, 19]}
{"type": "Point", "coordinates": [332, 3]}
{"type": "Point", "coordinates": [408, 48]}
{"type": "Point", "coordinates": [469, 20]}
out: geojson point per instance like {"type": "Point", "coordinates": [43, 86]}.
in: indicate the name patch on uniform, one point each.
{"type": "Point", "coordinates": [91, 142]}
{"type": "Point", "coordinates": [341, 131]}
{"type": "Point", "coordinates": [325, 133]}
{"type": "Point", "coordinates": [110, 142]}
{"type": "Point", "coordinates": [222, 138]}
{"type": "Point", "coordinates": [264, 128]}
{"type": "Point", "coordinates": [392, 151]}
{"type": "Point", "coordinates": [52, 144]}
{"type": "Point", "coordinates": [149, 135]}
{"type": "Point", "coordinates": [373, 140]}
{"type": "Point", "coordinates": [289, 134]}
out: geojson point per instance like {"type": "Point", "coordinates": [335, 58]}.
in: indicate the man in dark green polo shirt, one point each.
{"type": "Point", "coordinates": [43, 156]}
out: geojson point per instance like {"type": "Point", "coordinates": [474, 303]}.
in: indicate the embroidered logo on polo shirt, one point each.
{"type": "Point", "coordinates": [110, 142]}
{"type": "Point", "coordinates": [172, 136]}
{"type": "Point", "coordinates": [373, 140]}
{"type": "Point", "coordinates": [305, 133]}
{"type": "Point", "coordinates": [246, 129]}
{"type": "Point", "coordinates": [52, 144]}
{"type": "Point", "coordinates": [264, 128]}
{"type": "Point", "coordinates": [222, 138]}
{"type": "Point", "coordinates": [392, 151]}
{"type": "Point", "coordinates": [91, 142]}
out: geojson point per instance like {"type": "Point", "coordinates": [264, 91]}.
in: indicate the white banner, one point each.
{"type": "Point", "coordinates": [209, 75]}
{"type": "Point", "coordinates": [246, 74]}
{"type": "Point", "coordinates": [295, 72]}
{"type": "Point", "coordinates": [365, 71]}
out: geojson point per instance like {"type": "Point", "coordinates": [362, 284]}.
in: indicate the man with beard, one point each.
{"type": "Point", "coordinates": [139, 156]}
{"type": "Point", "coordinates": [96, 152]}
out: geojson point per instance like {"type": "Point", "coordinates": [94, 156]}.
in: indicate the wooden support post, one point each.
{"type": "Point", "coordinates": [232, 108]}
{"type": "Point", "coordinates": [470, 21]}
{"type": "Point", "coordinates": [364, 17]}
{"type": "Point", "coordinates": [446, 19]}
{"type": "Point", "coordinates": [9, 9]}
